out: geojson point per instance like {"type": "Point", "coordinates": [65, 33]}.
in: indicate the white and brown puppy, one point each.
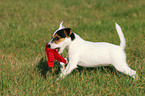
{"type": "Point", "coordinates": [90, 54]}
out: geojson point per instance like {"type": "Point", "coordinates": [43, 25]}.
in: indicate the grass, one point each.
{"type": "Point", "coordinates": [27, 25]}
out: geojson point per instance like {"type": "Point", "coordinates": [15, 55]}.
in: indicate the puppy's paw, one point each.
{"type": "Point", "coordinates": [57, 78]}
{"type": "Point", "coordinates": [136, 77]}
{"type": "Point", "coordinates": [62, 75]}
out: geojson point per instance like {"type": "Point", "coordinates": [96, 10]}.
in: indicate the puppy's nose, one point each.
{"type": "Point", "coordinates": [48, 46]}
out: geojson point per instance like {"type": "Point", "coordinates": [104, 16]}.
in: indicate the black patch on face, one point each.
{"type": "Point", "coordinates": [61, 33]}
{"type": "Point", "coordinates": [56, 39]}
{"type": "Point", "coordinates": [66, 32]}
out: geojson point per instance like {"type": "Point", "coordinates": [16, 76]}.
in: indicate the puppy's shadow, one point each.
{"type": "Point", "coordinates": [104, 69]}
{"type": "Point", "coordinates": [43, 68]}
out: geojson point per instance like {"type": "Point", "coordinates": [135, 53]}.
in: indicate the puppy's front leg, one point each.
{"type": "Point", "coordinates": [62, 65]}
{"type": "Point", "coordinates": [71, 66]}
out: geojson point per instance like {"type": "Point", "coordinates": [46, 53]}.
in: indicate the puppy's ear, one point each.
{"type": "Point", "coordinates": [61, 26]}
{"type": "Point", "coordinates": [68, 32]}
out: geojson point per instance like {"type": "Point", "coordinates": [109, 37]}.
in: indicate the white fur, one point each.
{"type": "Point", "coordinates": [121, 36]}
{"type": "Point", "coordinates": [90, 54]}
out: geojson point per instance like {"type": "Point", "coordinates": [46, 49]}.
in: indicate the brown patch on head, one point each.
{"type": "Point", "coordinates": [60, 40]}
{"type": "Point", "coordinates": [57, 39]}
{"type": "Point", "coordinates": [56, 35]}
{"type": "Point", "coordinates": [60, 35]}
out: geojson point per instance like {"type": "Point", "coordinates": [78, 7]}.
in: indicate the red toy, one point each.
{"type": "Point", "coordinates": [52, 54]}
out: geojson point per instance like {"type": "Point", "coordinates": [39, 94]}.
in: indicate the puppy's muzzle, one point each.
{"type": "Point", "coordinates": [57, 49]}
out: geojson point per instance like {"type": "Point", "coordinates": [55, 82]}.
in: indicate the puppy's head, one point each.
{"type": "Point", "coordinates": [61, 38]}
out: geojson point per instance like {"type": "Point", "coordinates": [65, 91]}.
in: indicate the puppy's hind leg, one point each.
{"type": "Point", "coordinates": [119, 62]}
{"type": "Point", "coordinates": [122, 66]}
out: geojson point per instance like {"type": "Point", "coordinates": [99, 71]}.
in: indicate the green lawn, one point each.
{"type": "Point", "coordinates": [27, 25]}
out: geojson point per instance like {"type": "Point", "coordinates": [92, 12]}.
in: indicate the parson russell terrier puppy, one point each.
{"type": "Point", "coordinates": [90, 54]}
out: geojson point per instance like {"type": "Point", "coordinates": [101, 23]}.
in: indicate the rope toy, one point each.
{"type": "Point", "coordinates": [52, 54]}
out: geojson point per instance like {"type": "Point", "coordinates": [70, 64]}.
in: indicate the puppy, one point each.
{"type": "Point", "coordinates": [90, 54]}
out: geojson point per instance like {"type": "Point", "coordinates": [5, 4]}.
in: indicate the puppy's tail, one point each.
{"type": "Point", "coordinates": [121, 36]}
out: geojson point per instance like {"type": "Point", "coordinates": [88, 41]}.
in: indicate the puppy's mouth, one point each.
{"type": "Point", "coordinates": [57, 49]}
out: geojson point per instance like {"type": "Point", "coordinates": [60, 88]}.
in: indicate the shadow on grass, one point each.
{"type": "Point", "coordinates": [103, 69]}
{"type": "Point", "coordinates": [43, 68]}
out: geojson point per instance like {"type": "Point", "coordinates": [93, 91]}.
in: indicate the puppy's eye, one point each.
{"type": "Point", "coordinates": [56, 38]}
